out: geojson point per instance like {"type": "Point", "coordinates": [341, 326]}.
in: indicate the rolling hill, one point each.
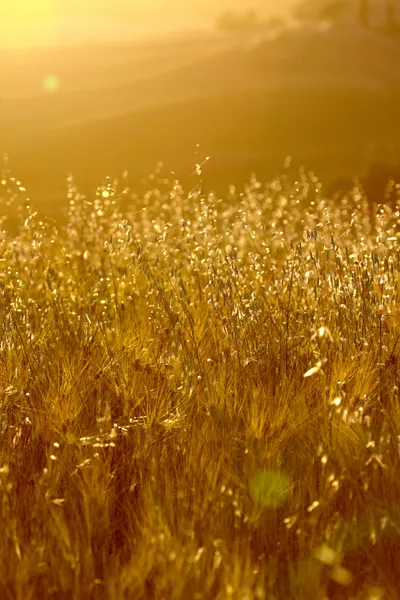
{"type": "Point", "coordinates": [319, 96]}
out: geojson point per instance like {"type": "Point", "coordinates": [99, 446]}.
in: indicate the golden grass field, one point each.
{"type": "Point", "coordinates": [200, 395]}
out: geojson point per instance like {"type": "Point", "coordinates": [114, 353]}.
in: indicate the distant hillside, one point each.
{"type": "Point", "coordinates": [336, 133]}
{"type": "Point", "coordinates": [346, 55]}
{"type": "Point", "coordinates": [327, 97]}
{"type": "Point", "coordinates": [371, 13]}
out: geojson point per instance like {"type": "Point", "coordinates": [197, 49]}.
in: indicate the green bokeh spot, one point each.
{"type": "Point", "coordinates": [51, 83]}
{"type": "Point", "coordinates": [270, 488]}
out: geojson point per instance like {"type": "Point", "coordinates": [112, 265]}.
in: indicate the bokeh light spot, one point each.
{"type": "Point", "coordinates": [270, 488]}
{"type": "Point", "coordinates": [51, 83]}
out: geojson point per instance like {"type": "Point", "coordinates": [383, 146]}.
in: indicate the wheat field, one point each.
{"type": "Point", "coordinates": [200, 395]}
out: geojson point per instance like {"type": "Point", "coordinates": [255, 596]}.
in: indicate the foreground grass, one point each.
{"type": "Point", "coordinates": [199, 398]}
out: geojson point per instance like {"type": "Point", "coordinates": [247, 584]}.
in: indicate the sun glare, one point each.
{"type": "Point", "coordinates": [23, 23]}
{"type": "Point", "coordinates": [29, 9]}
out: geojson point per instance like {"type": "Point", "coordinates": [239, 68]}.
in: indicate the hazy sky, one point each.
{"type": "Point", "coordinates": [32, 23]}
{"type": "Point", "coordinates": [50, 9]}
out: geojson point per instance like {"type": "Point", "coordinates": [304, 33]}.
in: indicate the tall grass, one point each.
{"type": "Point", "coordinates": [200, 396]}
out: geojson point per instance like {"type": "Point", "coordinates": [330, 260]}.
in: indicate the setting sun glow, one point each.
{"type": "Point", "coordinates": [29, 9]}
{"type": "Point", "coordinates": [27, 23]}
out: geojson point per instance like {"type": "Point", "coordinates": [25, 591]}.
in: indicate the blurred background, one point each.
{"type": "Point", "coordinates": [98, 88]}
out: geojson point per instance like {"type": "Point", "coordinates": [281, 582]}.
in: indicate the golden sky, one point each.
{"type": "Point", "coordinates": [33, 23]}
{"type": "Point", "coordinates": [50, 9]}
